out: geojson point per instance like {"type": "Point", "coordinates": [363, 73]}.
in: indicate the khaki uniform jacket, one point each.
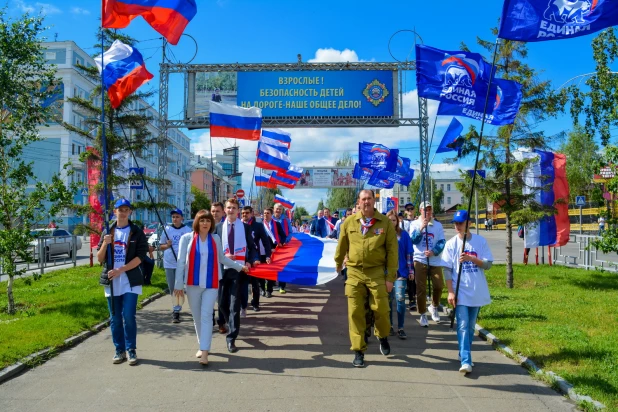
{"type": "Point", "coordinates": [372, 254]}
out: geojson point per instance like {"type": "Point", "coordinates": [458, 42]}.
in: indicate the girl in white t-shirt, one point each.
{"type": "Point", "coordinates": [473, 292]}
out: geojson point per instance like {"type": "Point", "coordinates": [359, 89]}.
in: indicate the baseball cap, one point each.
{"type": "Point", "coordinates": [176, 212]}
{"type": "Point", "coordinates": [408, 205]}
{"type": "Point", "coordinates": [425, 205]}
{"type": "Point", "coordinates": [460, 216]}
{"type": "Point", "coordinates": [122, 202]}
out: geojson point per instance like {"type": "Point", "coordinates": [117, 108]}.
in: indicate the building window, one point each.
{"type": "Point", "coordinates": [448, 200]}
{"type": "Point", "coordinates": [442, 187]}
{"type": "Point", "coordinates": [50, 55]}
{"type": "Point", "coordinates": [448, 187]}
{"type": "Point", "coordinates": [73, 149]}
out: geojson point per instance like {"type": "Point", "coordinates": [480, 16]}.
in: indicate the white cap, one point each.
{"type": "Point", "coordinates": [425, 205]}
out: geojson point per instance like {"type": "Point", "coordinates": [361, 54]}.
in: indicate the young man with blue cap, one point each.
{"type": "Point", "coordinates": [473, 290]}
{"type": "Point", "coordinates": [170, 239]}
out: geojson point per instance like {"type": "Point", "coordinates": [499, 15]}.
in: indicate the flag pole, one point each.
{"type": "Point", "coordinates": [212, 171]}
{"type": "Point", "coordinates": [476, 162]}
{"type": "Point", "coordinates": [104, 164]}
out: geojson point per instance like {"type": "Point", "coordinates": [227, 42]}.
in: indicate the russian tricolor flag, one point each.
{"type": "Point", "coordinates": [277, 134]}
{"type": "Point", "coordinates": [306, 260]}
{"type": "Point", "coordinates": [284, 202]}
{"type": "Point", "coordinates": [282, 147]}
{"type": "Point", "coordinates": [282, 181]}
{"type": "Point", "coordinates": [263, 181]}
{"type": "Point", "coordinates": [168, 17]}
{"type": "Point", "coordinates": [293, 173]}
{"type": "Point", "coordinates": [123, 71]}
{"type": "Point", "coordinates": [545, 178]}
{"type": "Point", "coordinates": [269, 158]}
{"type": "Point", "coordinates": [235, 122]}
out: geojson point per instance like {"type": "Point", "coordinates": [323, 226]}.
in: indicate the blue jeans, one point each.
{"type": "Point", "coordinates": [466, 319]}
{"type": "Point", "coordinates": [398, 294]}
{"type": "Point", "coordinates": [123, 324]}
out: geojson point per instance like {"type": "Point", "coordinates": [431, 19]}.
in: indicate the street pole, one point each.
{"type": "Point", "coordinates": [581, 231]}
{"type": "Point", "coordinates": [476, 211]}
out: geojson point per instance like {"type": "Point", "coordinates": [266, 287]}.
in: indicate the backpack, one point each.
{"type": "Point", "coordinates": [520, 231]}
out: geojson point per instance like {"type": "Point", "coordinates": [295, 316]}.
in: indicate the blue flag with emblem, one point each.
{"type": "Point", "coordinates": [402, 179]}
{"type": "Point", "coordinates": [541, 20]}
{"type": "Point", "coordinates": [362, 173]}
{"type": "Point", "coordinates": [452, 140]}
{"type": "Point", "coordinates": [375, 181]}
{"type": "Point", "coordinates": [504, 103]}
{"type": "Point", "coordinates": [451, 76]}
{"type": "Point", "coordinates": [377, 157]}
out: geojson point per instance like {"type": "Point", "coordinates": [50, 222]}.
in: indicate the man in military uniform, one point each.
{"type": "Point", "coordinates": [369, 240]}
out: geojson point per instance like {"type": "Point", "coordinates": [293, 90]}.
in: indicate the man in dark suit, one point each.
{"type": "Point", "coordinates": [264, 250]}
{"type": "Point", "coordinates": [277, 238]}
{"type": "Point", "coordinates": [229, 290]}
{"type": "Point", "coordinates": [318, 226]}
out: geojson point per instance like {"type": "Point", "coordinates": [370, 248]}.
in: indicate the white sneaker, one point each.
{"type": "Point", "coordinates": [435, 316]}
{"type": "Point", "coordinates": [423, 321]}
{"type": "Point", "coordinates": [243, 313]}
{"type": "Point", "coordinates": [465, 368]}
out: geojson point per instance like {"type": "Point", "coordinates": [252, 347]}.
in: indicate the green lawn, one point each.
{"type": "Point", "coordinates": [564, 319]}
{"type": "Point", "coordinates": [54, 308]}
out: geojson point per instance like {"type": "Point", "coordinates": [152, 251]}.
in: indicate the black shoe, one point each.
{"type": "Point", "coordinates": [412, 306]}
{"type": "Point", "coordinates": [366, 339]}
{"type": "Point", "coordinates": [359, 359]}
{"type": "Point", "coordinates": [392, 332]}
{"type": "Point", "coordinates": [401, 334]}
{"type": "Point", "coordinates": [175, 317]}
{"type": "Point", "coordinates": [269, 295]}
{"type": "Point", "coordinates": [385, 348]}
{"type": "Point", "coordinates": [256, 308]}
{"type": "Point", "coordinates": [231, 347]}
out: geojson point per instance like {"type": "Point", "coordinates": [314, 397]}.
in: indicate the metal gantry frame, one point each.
{"type": "Point", "coordinates": [188, 70]}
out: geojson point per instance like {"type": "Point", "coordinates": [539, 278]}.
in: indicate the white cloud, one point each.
{"type": "Point", "coordinates": [44, 8]}
{"type": "Point", "coordinates": [79, 10]}
{"type": "Point", "coordinates": [323, 146]}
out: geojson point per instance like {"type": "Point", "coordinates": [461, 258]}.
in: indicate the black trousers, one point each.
{"type": "Point", "coordinates": [229, 303]}
{"type": "Point", "coordinates": [411, 290]}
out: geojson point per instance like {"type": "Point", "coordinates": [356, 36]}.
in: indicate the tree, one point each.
{"type": "Point", "coordinates": [26, 81]}
{"type": "Point", "coordinates": [266, 197]}
{"type": "Point", "coordinates": [299, 212]}
{"type": "Point", "coordinates": [320, 206]}
{"type": "Point", "coordinates": [583, 157]}
{"type": "Point", "coordinates": [126, 130]}
{"type": "Point", "coordinates": [504, 184]}
{"type": "Point", "coordinates": [417, 195]}
{"type": "Point", "coordinates": [342, 197]}
{"type": "Point", "coordinates": [200, 201]}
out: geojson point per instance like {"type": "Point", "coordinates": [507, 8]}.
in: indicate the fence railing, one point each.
{"type": "Point", "coordinates": [584, 256]}
{"type": "Point", "coordinates": [49, 251]}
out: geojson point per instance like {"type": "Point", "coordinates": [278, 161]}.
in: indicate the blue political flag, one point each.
{"type": "Point", "coordinates": [504, 103]}
{"type": "Point", "coordinates": [541, 20]}
{"type": "Point", "coordinates": [452, 140]}
{"type": "Point", "coordinates": [362, 173]}
{"type": "Point", "coordinates": [377, 156]}
{"type": "Point", "coordinates": [403, 165]}
{"type": "Point", "coordinates": [402, 179]}
{"type": "Point", "coordinates": [375, 181]}
{"type": "Point", "coordinates": [481, 173]}
{"type": "Point", "coordinates": [451, 76]}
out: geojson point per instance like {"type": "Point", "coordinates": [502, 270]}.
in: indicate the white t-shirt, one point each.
{"type": "Point", "coordinates": [473, 289]}
{"type": "Point", "coordinates": [434, 233]}
{"type": "Point", "coordinates": [121, 283]}
{"type": "Point", "coordinates": [169, 262]}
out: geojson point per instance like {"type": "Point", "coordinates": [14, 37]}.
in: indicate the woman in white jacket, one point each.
{"type": "Point", "coordinates": [200, 260]}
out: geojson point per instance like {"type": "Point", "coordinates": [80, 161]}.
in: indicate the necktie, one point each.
{"type": "Point", "coordinates": [230, 238]}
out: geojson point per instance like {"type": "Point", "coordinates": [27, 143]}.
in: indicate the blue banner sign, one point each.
{"type": "Point", "coordinates": [318, 93]}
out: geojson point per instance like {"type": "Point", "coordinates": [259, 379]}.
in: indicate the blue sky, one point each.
{"type": "Point", "coordinates": [275, 31]}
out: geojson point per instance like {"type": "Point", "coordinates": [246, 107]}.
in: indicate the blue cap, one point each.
{"type": "Point", "coordinates": [122, 202]}
{"type": "Point", "coordinates": [408, 205]}
{"type": "Point", "coordinates": [460, 216]}
{"type": "Point", "coordinates": [176, 212]}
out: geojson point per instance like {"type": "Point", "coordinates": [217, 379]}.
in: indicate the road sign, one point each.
{"type": "Point", "coordinates": [135, 179]}
{"type": "Point", "coordinates": [390, 204]}
{"type": "Point", "coordinates": [85, 191]}
{"type": "Point", "coordinates": [240, 193]}
{"type": "Point", "coordinates": [580, 200]}
{"type": "Point", "coordinates": [241, 202]}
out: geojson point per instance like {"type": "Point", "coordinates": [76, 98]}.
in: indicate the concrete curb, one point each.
{"type": "Point", "coordinates": [46, 354]}
{"type": "Point", "coordinates": [562, 385]}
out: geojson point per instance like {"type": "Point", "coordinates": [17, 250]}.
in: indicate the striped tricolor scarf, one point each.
{"type": "Point", "coordinates": [210, 279]}
{"type": "Point", "coordinates": [366, 225]}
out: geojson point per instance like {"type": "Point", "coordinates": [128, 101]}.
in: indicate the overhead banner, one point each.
{"type": "Point", "coordinates": [306, 93]}
{"type": "Point", "coordinates": [326, 178]}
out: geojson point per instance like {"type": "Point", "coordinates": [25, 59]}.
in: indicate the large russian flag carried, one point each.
{"type": "Point", "coordinates": [168, 17]}
{"type": "Point", "coordinates": [277, 134]}
{"type": "Point", "coordinates": [547, 170]}
{"type": "Point", "coordinates": [283, 181]}
{"type": "Point", "coordinates": [123, 71]}
{"type": "Point", "coordinates": [269, 158]}
{"type": "Point", "coordinates": [305, 260]}
{"type": "Point", "coordinates": [235, 122]}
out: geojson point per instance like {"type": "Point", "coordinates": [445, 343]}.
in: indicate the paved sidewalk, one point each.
{"type": "Point", "coordinates": [294, 356]}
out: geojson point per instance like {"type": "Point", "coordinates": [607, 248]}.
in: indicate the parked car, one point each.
{"type": "Point", "coordinates": [55, 241]}
{"type": "Point", "coordinates": [150, 229]}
